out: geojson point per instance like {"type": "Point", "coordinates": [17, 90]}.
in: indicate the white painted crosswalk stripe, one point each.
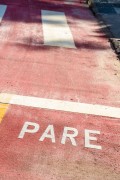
{"type": "Point", "coordinates": [56, 30]}
{"type": "Point", "coordinates": [2, 11]}
{"type": "Point", "coordinates": [60, 105]}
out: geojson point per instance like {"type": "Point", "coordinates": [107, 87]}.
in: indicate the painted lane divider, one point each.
{"type": "Point", "coordinates": [3, 109]}
{"type": "Point", "coordinates": [60, 105]}
{"type": "Point", "coordinates": [2, 11]}
{"type": "Point", "coordinates": [56, 30]}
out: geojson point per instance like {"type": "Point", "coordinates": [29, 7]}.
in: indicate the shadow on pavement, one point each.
{"type": "Point", "coordinates": [28, 12]}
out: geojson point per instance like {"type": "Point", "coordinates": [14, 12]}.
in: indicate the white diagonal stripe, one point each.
{"type": "Point", "coordinates": [117, 9]}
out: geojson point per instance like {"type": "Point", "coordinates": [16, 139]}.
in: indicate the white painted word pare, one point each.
{"type": "Point", "coordinates": [68, 133]}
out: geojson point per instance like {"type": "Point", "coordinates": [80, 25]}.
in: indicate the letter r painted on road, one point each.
{"type": "Point", "coordinates": [89, 138]}
{"type": "Point", "coordinates": [25, 129]}
{"type": "Point", "coordinates": [71, 136]}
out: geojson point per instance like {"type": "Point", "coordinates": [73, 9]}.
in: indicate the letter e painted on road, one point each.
{"type": "Point", "coordinates": [71, 136]}
{"type": "Point", "coordinates": [25, 129]}
{"type": "Point", "coordinates": [89, 138]}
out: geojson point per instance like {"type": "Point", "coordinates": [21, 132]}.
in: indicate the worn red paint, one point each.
{"type": "Point", "coordinates": [30, 153]}
{"type": "Point", "coordinates": [88, 74]}
{"type": "Point", "coordinates": [30, 68]}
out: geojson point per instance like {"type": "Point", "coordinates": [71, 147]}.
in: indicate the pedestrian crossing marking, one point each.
{"type": "Point", "coordinates": [56, 30]}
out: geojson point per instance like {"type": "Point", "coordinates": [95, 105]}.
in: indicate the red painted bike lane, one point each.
{"type": "Point", "coordinates": [89, 73]}
{"type": "Point", "coordinates": [38, 143]}
{"type": "Point", "coordinates": [47, 144]}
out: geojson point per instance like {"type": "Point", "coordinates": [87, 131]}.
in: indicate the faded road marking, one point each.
{"type": "Point", "coordinates": [69, 2]}
{"type": "Point", "coordinates": [56, 30]}
{"type": "Point", "coordinates": [2, 11]}
{"type": "Point", "coordinates": [3, 109]}
{"type": "Point", "coordinates": [117, 9]}
{"type": "Point", "coordinates": [60, 105]}
{"type": "Point", "coordinates": [5, 98]}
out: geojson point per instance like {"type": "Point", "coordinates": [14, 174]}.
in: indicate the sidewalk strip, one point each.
{"type": "Point", "coordinates": [60, 105]}
{"type": "Point", "coordinates": [3, 108]}
{"type": "Point", "coordinates": [56, 30]}
{"type": "Point", "coordinates": [2, 11]}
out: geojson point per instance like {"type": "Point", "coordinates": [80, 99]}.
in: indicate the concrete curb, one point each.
{"type": "Point", "coordinates": [113, 40]}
